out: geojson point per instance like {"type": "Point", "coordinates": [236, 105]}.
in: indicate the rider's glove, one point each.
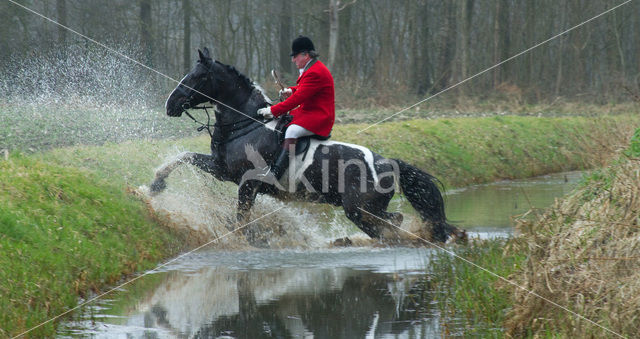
{"type": "Point", "coordinates": [285, 93]}
{"type": "Point", "coordinates": [265, 112]}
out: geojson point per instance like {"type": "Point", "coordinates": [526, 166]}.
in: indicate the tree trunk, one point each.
{"type": "Point", "coordinates": [496, 43]}
{"type": "Point", "coordinates": [61, 9]}
{"type": "Point", "coordinates": [145, 31]}
{"type": "Point", "coordinates": [186, 42]}
{"type": "Point", "coordinates": [561, 52]}
{"type": "Point", "coordinates": [447, 47]}
{"type": "Point", "coordinates": [286, 36]}
{"type": "Point", "coordinates": [505, 41]}
{"type": "Point", "coordinates": [422, 79]}
{"type": "Point", "coordinates": [529, 27]}
{"type": "Point", "coordinates": [333, 32]}
{"type": "Point", "coordinates": [466, 13]}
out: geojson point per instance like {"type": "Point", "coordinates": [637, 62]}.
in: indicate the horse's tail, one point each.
{"type": "Point", "coordinates": [421, 189]}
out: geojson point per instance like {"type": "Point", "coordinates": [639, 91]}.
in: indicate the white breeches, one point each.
{"type": "Point", "coordinates": [296, 131]}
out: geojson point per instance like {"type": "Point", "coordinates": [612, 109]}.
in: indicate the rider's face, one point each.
{"type": "Point", "coordinates": [300, 59]}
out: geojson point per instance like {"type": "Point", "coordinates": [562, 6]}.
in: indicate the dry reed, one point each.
{"type": "Point", "coordinates": [583, 253]}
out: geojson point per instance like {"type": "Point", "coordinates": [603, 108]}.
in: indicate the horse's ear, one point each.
{"type": "Point", "coordinates": [201, 55]}
{"type": "Point", "coordinates": [206, 53]}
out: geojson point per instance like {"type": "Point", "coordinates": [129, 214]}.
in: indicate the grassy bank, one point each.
{"type": "Point", "coordinates": [66, 232]}
{"type": "Point", "coordinates": [69, 205]}
{"type": "Point", "coordinates": [477, 150]}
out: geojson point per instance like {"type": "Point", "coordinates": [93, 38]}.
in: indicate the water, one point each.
{"type": "Point", "coordinates": [324, 292]}
{"type": "Point", "coordinates": [491, 208]}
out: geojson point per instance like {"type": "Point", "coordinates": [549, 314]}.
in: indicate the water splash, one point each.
{"type": "Point", "coordinates": [81, 95]}
{"type": "Point", "coordinates": [78, 76]}
{"type": "Point", "coordinates": [206, 209]}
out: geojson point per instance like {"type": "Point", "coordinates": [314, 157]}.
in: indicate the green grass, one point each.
{"type": "Point", "coordinates": [470, 299]}
{"type": "Point", "coordinates": [478, 150]}
{"type": "Point", "coordinates": [634, 146]}
{"type": "Point", "coordinates": [65, 232]}
{"type": "Point", "coordinates": [130, 163]}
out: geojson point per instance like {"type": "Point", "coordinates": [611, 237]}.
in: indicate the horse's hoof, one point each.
{"type": "Point", "coordinates": [342, 242]}
{"type": "Point", "coordinates": [397, 219]}
{"type": "Point", "coordinates": [254, 240]}
{"type": "Point", "coordinates": [157, 186]}
{"type": "Point", "coordinates": [460, 237]}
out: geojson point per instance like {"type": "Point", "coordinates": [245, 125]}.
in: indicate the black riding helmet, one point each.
{"type": "Point", "coordinates": [301, 44]}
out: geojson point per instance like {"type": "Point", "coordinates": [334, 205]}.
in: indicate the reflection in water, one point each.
{"type": "Point", "coordinates": [362, 302]}
{"type": "Point", "coordinates": [262, 300]}
{"type": "Point", "coordinates": [327, 293]}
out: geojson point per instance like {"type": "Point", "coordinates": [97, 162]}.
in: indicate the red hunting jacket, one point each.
{"type": "Point", "coordinates": [314, 98]}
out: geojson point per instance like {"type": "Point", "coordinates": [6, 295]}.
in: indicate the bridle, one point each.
{"type": "Point", "coordinates": [190, 93]}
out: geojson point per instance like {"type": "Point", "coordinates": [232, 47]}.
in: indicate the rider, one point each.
{"type": "Point", "coordinates": [311, 102]}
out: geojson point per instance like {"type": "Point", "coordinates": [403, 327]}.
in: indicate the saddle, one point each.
{"type": "Point", "coordinates": [302, 145]}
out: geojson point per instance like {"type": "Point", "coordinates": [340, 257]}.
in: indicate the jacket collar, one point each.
{"type": "Point", "coordinates": [307, 66]}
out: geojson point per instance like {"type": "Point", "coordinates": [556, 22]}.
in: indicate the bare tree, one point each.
{"type": "Point", "coordinates": [186, 42]}
{"type": "Point", "coordinates": [447, 46]}
{"type": "Point", "coordinates": [286, 35]}
{"type": "Point", "coordinates": [423, 45]}
{"type": "Point", "coordinates": [466, 18]}
{"type": "Point", "coordinates": [61, 9]}
{"type": "Point", "coordinates": [146, 37]}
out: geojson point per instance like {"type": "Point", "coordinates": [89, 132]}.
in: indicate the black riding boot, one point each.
{"type": "Point", "coordinates": [282, 161]}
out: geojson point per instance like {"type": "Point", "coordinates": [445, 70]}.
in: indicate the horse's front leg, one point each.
{"type": "Point", "coordinates": [205, 162]}
{"type": "Point", "coordinates": [246, 198]}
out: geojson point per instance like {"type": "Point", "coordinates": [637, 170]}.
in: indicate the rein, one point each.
{"type": "Point", "coordinates": [224, 134]}
{"type": "Point", "coordinates": [203, 126]}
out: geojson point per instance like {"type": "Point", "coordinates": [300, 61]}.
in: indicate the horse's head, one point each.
{"type": "Point", "coordinates": [196, 87]}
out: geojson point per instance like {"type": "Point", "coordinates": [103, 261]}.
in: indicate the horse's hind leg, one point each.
{"type": "Point", "coordinates": [203, 161]}
{"type": "Point", "coordinates": [372, 223]}
{"type": "Point", "coordinates": [373, 217]}
{"type": "Point", "coordinates": [394, 218]}
{"type": "Point", "coordinates": [377, 205]}
{"type": "Point", "coordinates": [357, 216]}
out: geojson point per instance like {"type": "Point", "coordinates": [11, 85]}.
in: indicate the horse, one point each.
{"type": "Point", "coordinates": [352, 176]}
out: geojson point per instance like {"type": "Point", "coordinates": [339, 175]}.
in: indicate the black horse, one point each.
{"type": "Point", "coordinates": [346, 175]}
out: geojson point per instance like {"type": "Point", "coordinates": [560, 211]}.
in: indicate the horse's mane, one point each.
{"type": "Point", "coordinates": [251, 86]}
{"type": "Point", "coordinates": [243, 78]}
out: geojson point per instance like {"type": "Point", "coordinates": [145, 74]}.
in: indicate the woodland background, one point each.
{"type": "Point", "coordinates": [376, 49]}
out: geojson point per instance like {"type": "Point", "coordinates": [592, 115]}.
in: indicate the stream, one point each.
{"type": "Point", "coordinates": [351, 292]}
